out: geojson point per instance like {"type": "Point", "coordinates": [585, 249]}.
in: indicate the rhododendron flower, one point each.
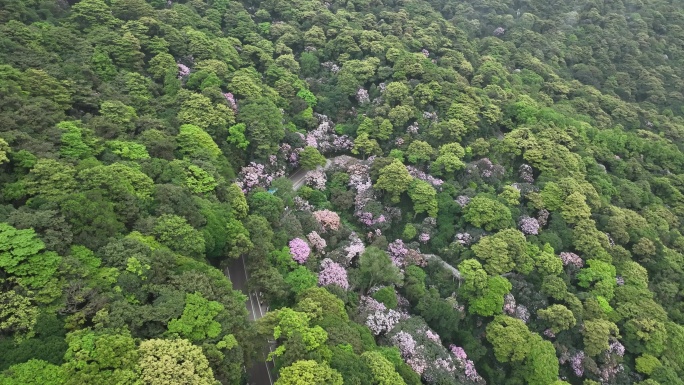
{"type": "Point", "coordinates": [332, 273]}
{"type": "Point", "coordinates": [329, 220]}
{"type": "Point", "coordinates": [299, 250]}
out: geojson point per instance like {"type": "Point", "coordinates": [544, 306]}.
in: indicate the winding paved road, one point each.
{"type": "Point", "coordinates": [261, 372]}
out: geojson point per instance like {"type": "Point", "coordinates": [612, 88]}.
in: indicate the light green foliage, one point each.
{"type": "Point", "coordinates": [175, 233]}
{"type": "Point", "coordinates": [22, 262]}
{"type": "Point", "coordinates": [309, 372]}
{"type": "Point", "coordinates": [575, 209]}
{"type": "Point", "coordinates": [308, 97]}
{"type": "Point", "coordinates": [318, 302]}
{"type": "Point", "coordinates": [487, 213]}
{"type": "Point", "coordinates": [194, 142]}
{"type": "Point", "coordinates": [510, 195]}
{"type": "Point", "coordinates": [410, 232]}
{"type": "Point", "coordinates": [503, 252]}
{"type": "Point", "coordinates": [238, 240]}
{"type": "Point", "coordinates": [541, 364]}
{"type": "Point", "coordinates": [365, 146]}
{"type": "Point", "coordinates": [236, 136]}
{"type": "Point", "coordinates": [491, 299]}
{"type": "Point", "coordinates": [33, 372]}
{"type": "Point", "coordinates": [599, 273]}
{"type": "Point", "coordinates": [647, 363]}
{"type": "Point", "coordinates": [645, 335]}
{"type": "Point", "coordinates": [558, 317]}
{"type": "Point", "coordinates": [198, 320]}
{"type": "Point", "coordinates": [310, 158]}
{"type": "Point", "coordinates": [396, 92]}
{"type": "Point", "coordinates": [4, 151]}
{"type": "Point", "coordinates": [510, 338]}
{"type": "Point", "coordinates": [173, 362]}
{"type": "Point", "coordinates": [100, 357]}
{"type": "Point", "coordinates": [293, 324]}
{"type": "Point", "coordinates": [50, 179]}
{"type": "Point", "coordinates": [597, 334]}
{"type": "Point", "coordinates": [238, 202]}
{"type": "Point", "coordinates": [419, 152]}
{"type": "Point", "coordinates": [301, 279]}
{"type": "Point", "coordinates": [449, 159]}
{"type": "Point", "coordinates": [77, 143]}
{"type": "Point", "coordinates": [387, 296]}
{"type": "Point", "coordinates": [382, 370]}
{"type": "Point", "coordinates": [198, 180]}
{"type": "Point", "coordinates": [394, 179]}
{"type": "Point", "coordinates": [17, 314]}
{"type": "Point", "coordinates": [118, 180]}
{"type": "Point", "coordinates": [424, 197]}
{"type": "Point", "coordinates": [545, 261]}
{"type": "Point", "coordinates": [128, 150]}
{"type": "Point", "coordinates": [118, 113]}
{"type": "Point", "coordinates": [198, 110]}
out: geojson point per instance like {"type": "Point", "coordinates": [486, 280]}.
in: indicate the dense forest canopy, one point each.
{"type": "Point", "coordinates": [423, 192]}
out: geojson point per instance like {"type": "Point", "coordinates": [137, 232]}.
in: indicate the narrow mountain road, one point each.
{"type": "Point", "coordinates": [298, 177]}
{"type": "Point", "coordinates": [262, 372]}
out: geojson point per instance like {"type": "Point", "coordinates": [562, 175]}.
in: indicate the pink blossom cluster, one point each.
{"type": "Point", "coordinates": [416, 173]}
{"type": "Point", "coordinates": [397, 252]}
{"type": "Point", "coordinates": [432, 336]}
{"type": "Point", "coordinates": [462, 200]}
{"type": "Point", "coordinates": [355, 248]}
{"type": "Point", "coordinates": [302, 204]}
{"type": "Point", "coordinates": [468, 365]}
{"type": "Point", "coordinates": [522, 313]}
{"type": "Point", "coordinates": [299, 250]}
{"type": "Point", "coordinates": [379, 320]}
{"type": "Point", "coordinates": [405, 343]}
{"type": "Point", "coordinates": [183, 70]}
{"type": "Point", "coordinates": [577, 363]}
{"type": "Point", "coordinates": [290, 154]}
{"type": "Point", "coordinates": [332, 273]}
{"type": "Point", "coordinates": [255, 175]}
{"type": "Point", "coordinates": [329, 220]}
{"type": "Point", "coordinates": [399, 142]}
{"type": "Point", "coordinates": [231, 101]}
{"type": "Point", "coordinates": [424, 238]}
{"type": "Point", "coordinates": [485, 168]}
{"type": "Point", "coordinates": [334, 68]}
{"type": "Point", "coordinates": [464, 239]}
{"type": "Point", "coordinates": [549, 333]}
{"type": "Point", "coordinates": [316, 179]}
{"type": "Point", "coordinates": [499, 31]}
{"type": "Point", "coordinates": [425, 52]}
{"type": "Point", "coordinates": [619, 280]}
{"type": "Point", "coordinates": [543, 217]}
{"type": "Point", "coordinates": [413, 128]}
{"type": "Point", "coordinates": [310, 48]}
{"type": "Point", "coordinates": [509, 304]}
{"type": "Point", "coordinates": [571, 259]}
{"type": "Point", "coordinates": [324, 138]}
{"type": "Point", "coordinates": [317, 242]}
{"type": "Point", "coordinates": [382, 87]}
{"type": "Point", "coordinates": [362, 96]}
{"type": "Point", "coordinates": [528, 225]}
{"type": "Point", "coordinates": [430, 115]}
{"type": "Point", "coordinates": [609, 371]}
{"type": "Point", "coordinates": [617, 348]}
{"type": "Point", "coordinates": [611, 242]}
{"type": "Point", "coordinates": [526, 173]}
{"type": "Point", "coordinates": [368, 219]}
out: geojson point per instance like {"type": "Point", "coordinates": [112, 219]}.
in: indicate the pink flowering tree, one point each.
{"type": "Point", "coordinates": [355, 248]}
{"type": "Point", "coordinates": [317, 242]}
{"type": "Point", "coordinates": [316, 179]}
{"type": "Point", "coordinates": [299, 250]}
{"type": "Point", "coordinates": [529, 225]}
{"type": "Point", "coordinates": [329, 220]}
{"type": "Point", "coordinates": [332, 273]}
{"type": "Point", "coordinates": [571, 259]}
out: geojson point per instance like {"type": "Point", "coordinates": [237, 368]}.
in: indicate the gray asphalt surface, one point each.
{"type": "Point", "coordinates": [261, 373]}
